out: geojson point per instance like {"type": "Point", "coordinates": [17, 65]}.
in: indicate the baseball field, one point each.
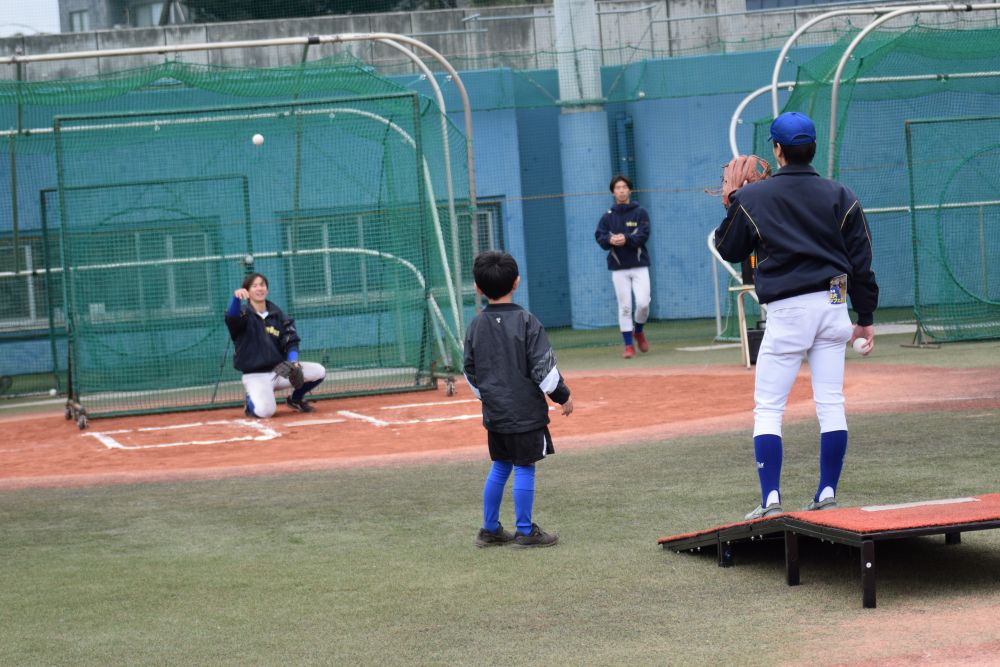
{"type": "Point", "coordinates": [346, 536]}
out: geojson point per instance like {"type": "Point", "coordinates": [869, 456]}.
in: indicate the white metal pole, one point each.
{"type": "Point", "coordinates": [831, 158]}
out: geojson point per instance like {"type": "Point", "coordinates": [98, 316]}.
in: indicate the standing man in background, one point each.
{"type": "Point", "coordinates": [623, 232]}
{"type": "Point", "coordinates": [813, 248]}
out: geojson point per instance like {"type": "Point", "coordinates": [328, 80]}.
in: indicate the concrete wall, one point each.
{"type": "Point", "coordinates": [474, 38]}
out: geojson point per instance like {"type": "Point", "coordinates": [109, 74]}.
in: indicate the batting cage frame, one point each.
{"type": "Point", "coordinates": [955, 297]}
{"type": "Point", "coordinates": [853, 74]}
{"type": "Point", "coordinates": [416, 51]}
{"type": "Point", "coordinates": [439, 340]}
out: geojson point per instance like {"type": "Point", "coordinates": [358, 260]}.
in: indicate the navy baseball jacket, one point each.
{"type": "Point", "coordinates": [632, 221]}
{"type": "Point", "coordinates": [510, 366]}
{"type": "Point", "coordinates": [261, 343]}
{"type": "Point", "coordinates": [805, 230]}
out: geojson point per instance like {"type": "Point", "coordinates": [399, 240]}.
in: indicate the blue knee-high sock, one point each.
{"type": "Point", "coordinates": [627, 336]}
{"type": "Point", "coordinates": [832, 448]}
{"type": "Point", "coordinates": [767, 451]}
{"type": "Point", "coordinates": [524, 497]}
{"type": "Point", "coordinates": [300, 393]}
{"type": "Point", "coordinates": [493, 494]}
{"type": "Point", "coordinates": [638, 327]}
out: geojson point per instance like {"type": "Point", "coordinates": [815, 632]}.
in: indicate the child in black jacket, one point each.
{"type": "Point", "coordinates": [510, 366]}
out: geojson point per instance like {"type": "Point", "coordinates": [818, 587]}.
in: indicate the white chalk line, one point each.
{"type": "Point", "coordinates": [316, 422]}
{"type": "Point", "coordinates": [420, 405]}
{"type": "Point", "coordinates": [357, 415]}
{"type": "Point", "coordinates": [920, 503]}
{"type": "Point", "coordinates": [708, 348]}
{"type": "Point", "coordinates": [880, 329]}
{"type": "Point", "coordinates": [265, 432]}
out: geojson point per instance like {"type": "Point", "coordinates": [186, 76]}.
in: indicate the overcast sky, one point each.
{"type": "Point", "coordinates": [28, 16]}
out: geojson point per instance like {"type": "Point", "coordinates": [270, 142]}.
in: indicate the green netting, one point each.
{"type": "Point", "coordinates": [161, 214]}
{"type": "Point", "coordinates": [954, 177]}
{"type": "Point", "coordinates": [895, 77]}
{"type": "Point", "coordinates": [346, 174]}
{"type": "Point", "coordinates": [660, 112]}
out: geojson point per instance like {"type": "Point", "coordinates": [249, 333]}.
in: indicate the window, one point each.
{"type": "Point", "coordinates": [79, 21]}
{"type": "Point", "coordinates": [25, 296]}
{"type": "Point", "coordinates": [147, 14]}
{"type": "Point", "coordinates": [336, 262]}
{"type": "Point", "coordinates": [162, 270]}
{"type": "Point", "coordinates": [489, 228]}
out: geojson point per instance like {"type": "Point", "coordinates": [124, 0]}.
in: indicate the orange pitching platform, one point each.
{"type": "Point", "coordinates": [861, 527]}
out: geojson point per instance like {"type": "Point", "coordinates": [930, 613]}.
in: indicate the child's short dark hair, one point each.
{"type": "Point", "coordinates": [624, 179]}
{"type": "Point", "coordinates": [495, 273]}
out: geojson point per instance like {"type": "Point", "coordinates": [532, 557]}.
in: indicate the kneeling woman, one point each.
{"type": "Point", "coordinates": [264, 337]}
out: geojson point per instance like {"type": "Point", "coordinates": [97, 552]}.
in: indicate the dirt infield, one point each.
{"type": "Point", "coordinates": [391, 430]}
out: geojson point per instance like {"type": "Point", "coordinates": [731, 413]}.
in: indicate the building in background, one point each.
{"type": "Point", "coordinates": [84, 15]}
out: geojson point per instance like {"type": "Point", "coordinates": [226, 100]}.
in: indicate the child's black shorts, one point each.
{"type": "Point", "coordinates": [521, 449]}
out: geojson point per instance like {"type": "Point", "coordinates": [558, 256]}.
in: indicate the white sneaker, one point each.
{"type": "Point", "coordinates": [763, 512]}
{"type": "Point", "coordinates": [825, 504]}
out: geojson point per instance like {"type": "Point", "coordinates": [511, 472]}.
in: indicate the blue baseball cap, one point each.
{"type": "Point", "coordinates": [792, 129]}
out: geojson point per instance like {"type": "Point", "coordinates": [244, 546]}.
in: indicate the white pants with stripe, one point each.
{"type": "Point", "coordinates": [627, 282]}
{"type": "Point", "coordinates": [260, 387]}
{"type": "Point", "coordinates": [805, 326]}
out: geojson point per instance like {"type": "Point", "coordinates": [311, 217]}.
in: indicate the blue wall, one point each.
{"type": "Point", "coordinates": [679, 110]}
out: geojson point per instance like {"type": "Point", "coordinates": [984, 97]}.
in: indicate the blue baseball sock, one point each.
{"type": "Point", "coordinates": [627, 335]}
{"type": "Point", "coordinates": [248, 410]}
{"type": "Point", "coordinates": [832, 448]}
{"type": "Point", "coordinates": [767, 451]}
{"type": "Point", "coordinates": [524, 497]}
{"type": "Point", "coordinates": [638, 327]}
{"type": "Point", "coordinates": [493, 494]}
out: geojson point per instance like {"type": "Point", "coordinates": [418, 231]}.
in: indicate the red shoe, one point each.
{"type": "Point", "coordinates": [629, 352]}
{"type": "Point", "coordinates": [641, 342]}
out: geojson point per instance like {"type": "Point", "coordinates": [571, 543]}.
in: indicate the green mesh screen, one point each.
{"type": "Point", "coordinates": [893, 77]}
{"type": "Point", "coordinates": [337, 207]}
{"type": "Point", "coordinates": [954, 177]}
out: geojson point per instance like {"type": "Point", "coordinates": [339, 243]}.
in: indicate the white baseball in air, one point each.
{"type": "Point", "coordinates": [52, 392]}
{"type": "Point", "coordinates": [258, 139]}
{"type": "Point", "coordinates": [860, 344]}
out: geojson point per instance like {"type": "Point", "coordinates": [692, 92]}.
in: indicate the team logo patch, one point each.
{"type": "Point", "coordinates": [498, 320]}
{"type": "Point", "coordinates": [631, 223]}
{"type": "Point", "coordinates": [271, 330]}
{"type": "Point", "coordinates": [838, 289]}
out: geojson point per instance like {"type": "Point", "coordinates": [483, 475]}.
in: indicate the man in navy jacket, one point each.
{"type": "Point", "coordinates": [813, 249]}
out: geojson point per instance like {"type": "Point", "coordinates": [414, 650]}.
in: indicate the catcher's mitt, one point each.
{"type": "Point", "coordinates": [741, 170]}
{"type": "Point", "coordinates": [292, 371]}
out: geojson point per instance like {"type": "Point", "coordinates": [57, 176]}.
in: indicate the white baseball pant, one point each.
{"type": "Point", "coordinates": [260, 387]}
{"type": "Point", "coordinates": [802, 326]}
{"type": "Point", "coordinates": [627, 281]}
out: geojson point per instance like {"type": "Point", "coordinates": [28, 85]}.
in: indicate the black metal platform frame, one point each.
{"type": "Point", "coordinates": [790, 528]}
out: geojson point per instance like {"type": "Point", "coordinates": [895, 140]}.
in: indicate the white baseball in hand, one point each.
{"type": "Point", "coordinates": [860, 344]}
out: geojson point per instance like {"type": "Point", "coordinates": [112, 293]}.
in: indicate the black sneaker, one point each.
{"type": "Point", "coordinates": [536, 538]}
{"type": "Point", "coordinates": [300, 406]}
{"type": "Point", "coordinates": [487, 539]}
